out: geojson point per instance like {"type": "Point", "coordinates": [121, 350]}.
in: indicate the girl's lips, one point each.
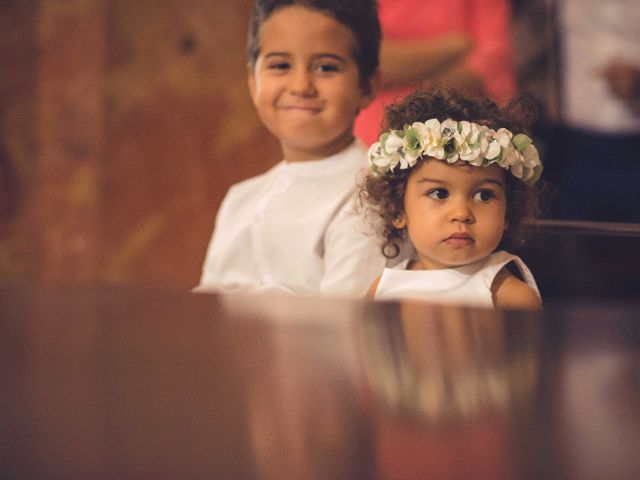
{"type": "Point", "coordinates": [459, 240]}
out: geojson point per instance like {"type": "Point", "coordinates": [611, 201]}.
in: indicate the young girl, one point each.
{"type": "Point", "coordinates": [312, 67]}
{"type": "Point", "coordinates": [457, 177]}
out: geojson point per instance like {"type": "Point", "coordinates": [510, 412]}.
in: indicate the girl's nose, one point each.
{"type": "Point", "coordinates": [302, 83]}
{"type": "Point", "coordinates": [461, 212]}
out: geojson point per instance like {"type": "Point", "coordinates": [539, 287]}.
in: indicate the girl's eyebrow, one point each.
{"type": "Point", "coordinates": [492, 181]}
{"type": "Point", "coordinates": [480, 182]}
{"type": "Point", "coordinates": [431, 180]}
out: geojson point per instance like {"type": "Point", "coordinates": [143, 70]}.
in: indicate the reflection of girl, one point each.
{"type": "Point", "coordinates": [455, 176]}
{"type": "Point", "coordinates": [442, 364]}
{"type": "Point", "coordinates": [445, 381]}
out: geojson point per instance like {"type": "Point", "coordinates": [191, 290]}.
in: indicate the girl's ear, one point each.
{"type": "Point", "coordinates": [400, 222]}
{"type": "Point", "coordinates": [251, 82]}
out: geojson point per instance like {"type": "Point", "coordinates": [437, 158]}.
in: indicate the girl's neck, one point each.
{"type": "Point", "coordinates": [416, 265]}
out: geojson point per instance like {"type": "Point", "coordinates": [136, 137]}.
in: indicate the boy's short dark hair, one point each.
{"type": "Point", "coordinates": [359, 16]}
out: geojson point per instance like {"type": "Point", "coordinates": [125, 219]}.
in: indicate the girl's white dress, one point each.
{"type": "Point", "coordinates": [468, 285]}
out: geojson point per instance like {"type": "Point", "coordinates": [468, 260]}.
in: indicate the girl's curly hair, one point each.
{"type": "Point", "coordinates": [382, 196]}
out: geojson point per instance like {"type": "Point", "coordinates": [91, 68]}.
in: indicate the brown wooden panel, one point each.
{"type": "Point", "coordinates": [585, 260]}
{"type": "Point", "coordinates": [136, 121]}
{"type": "Point", "coordinates": [18, 99]}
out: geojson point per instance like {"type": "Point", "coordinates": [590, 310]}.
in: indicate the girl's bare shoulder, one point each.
{"type": "Point", "coordinates": [510, 292]}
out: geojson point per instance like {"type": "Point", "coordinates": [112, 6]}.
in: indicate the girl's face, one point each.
{"type": "Point", "coordinates": [306, 84]}
{"type": "Point", "coordinates": [454, 214]}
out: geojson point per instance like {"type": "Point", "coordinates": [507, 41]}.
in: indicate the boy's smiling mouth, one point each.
{"type": "Point", "coordinates": [301, 108]}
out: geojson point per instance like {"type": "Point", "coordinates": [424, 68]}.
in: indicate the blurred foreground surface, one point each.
{"type": "Point", "coordinates": [105, 382]}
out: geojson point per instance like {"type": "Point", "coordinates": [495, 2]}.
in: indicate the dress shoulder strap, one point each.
{"type": "Point", "coordinates": [496, 261]}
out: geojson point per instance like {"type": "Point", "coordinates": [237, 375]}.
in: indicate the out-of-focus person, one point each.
{"type": "Point", "coordinates": [461, 44]}
{"type": "Point", "coordinates": [594, 154]}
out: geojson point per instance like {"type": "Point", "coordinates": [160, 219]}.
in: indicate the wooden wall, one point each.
{"type": "Point", "coordinates": [122, 124]}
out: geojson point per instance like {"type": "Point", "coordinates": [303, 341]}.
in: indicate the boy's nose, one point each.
{"type": "Point", "coordinates": [302, 83]}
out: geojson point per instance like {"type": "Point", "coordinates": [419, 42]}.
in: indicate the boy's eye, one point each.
{"type": "Point", "coordinates": [278, 66]}
{"type": "Point", "coordinates": [327, 68]}
{"type": "Point", "coordinates": [438, 193]}
{"type": "Point", "coordinates": [484, 195]}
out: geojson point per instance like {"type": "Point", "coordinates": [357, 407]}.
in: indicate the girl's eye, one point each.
{"type": "Point", "coordinates": [484, 195]}
{"type": "Point", "coordinates": [438, 193]}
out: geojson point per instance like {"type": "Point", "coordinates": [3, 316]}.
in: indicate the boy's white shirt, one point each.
{"type": "Point", "coordinates": [294, 229]}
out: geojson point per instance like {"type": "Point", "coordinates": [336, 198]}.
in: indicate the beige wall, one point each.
{"type": "Point", "coordinates": [124, 124]}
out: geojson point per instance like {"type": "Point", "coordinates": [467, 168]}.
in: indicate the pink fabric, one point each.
{"type": "Point", "coordinates": [486, 21]}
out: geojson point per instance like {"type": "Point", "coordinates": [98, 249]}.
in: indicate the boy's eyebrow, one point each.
{"type": "Point", "coordinates": [335, 56]}
{"type": "Point", "coordinates": [315, 56]}
{"type": "Point", "coordinates": [277, 54]}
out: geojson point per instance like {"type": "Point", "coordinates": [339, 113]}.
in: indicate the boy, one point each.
{"type": "Point", "coordinates": [313, 65]}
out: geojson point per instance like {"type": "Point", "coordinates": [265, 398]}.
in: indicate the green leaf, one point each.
{"type": "Point", "coordinates": [521, 142]}
{"type": "Point", "coordinates": [412, 140]}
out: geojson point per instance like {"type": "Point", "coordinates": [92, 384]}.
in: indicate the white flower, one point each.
{"type": "Point", "coordinates": [504, 136]}
{"type": "Point", "coordinates": [391, 143]}
{"type": "Point", "coordinates": [532, 165]}
{"type": "Point", "coordinates": [448, 131]}
{"type": "Point", "coordinates": [511, 157]}
{"type": "Point", "coordinates": [377, 160]}
{"type": "Point", "coordinates": [468, 143]}
{"type": "Point", "coordinates": [430, 138]}
{"type": "Point", "coordinates": [499, 144]}
{"type": "Point", "coordinates": [393, 146]}
{"type": "Point", "coordinates": [531, 157]}
{"type": "Point", "coordinates": [449, 128]}
{"type": "Point", "coordinates": [516, 168]}
{"type": "Point", "coordinates": [412, 146]}
{"type": "Point", "coordinates": [493, 150]}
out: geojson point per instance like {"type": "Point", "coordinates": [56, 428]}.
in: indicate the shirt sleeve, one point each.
{"type": "Point", "coordinates": [352, 257]}
{"type": "Point", "coordinates": [209, 280]}
{"type": "Point", "coordinates": [492, 56]}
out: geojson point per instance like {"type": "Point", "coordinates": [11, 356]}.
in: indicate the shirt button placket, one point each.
{"type": "Point", "coordinates": [259, 234]}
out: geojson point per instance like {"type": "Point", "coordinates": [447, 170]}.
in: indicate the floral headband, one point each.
{"type": "Point", "coordinates": [454, 141]}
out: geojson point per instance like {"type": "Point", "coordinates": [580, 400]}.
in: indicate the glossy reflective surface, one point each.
{"type": "Point", "coordinates": [140, 383]}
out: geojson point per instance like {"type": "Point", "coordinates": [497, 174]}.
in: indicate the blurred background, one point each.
{"type": "Point", "coordinates": [122, 125]}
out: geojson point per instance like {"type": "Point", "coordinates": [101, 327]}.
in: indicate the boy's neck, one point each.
{"type": "Point", "coordinates": [292, 154]}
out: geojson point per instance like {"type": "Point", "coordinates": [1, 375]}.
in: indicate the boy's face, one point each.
{"type": "Point", "coordinates": [305, 83]}
{"type": "Point", "coordinates": [454, 214]}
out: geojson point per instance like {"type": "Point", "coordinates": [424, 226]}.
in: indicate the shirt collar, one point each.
{"type": "Point", "coordinates": [347, 159]}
